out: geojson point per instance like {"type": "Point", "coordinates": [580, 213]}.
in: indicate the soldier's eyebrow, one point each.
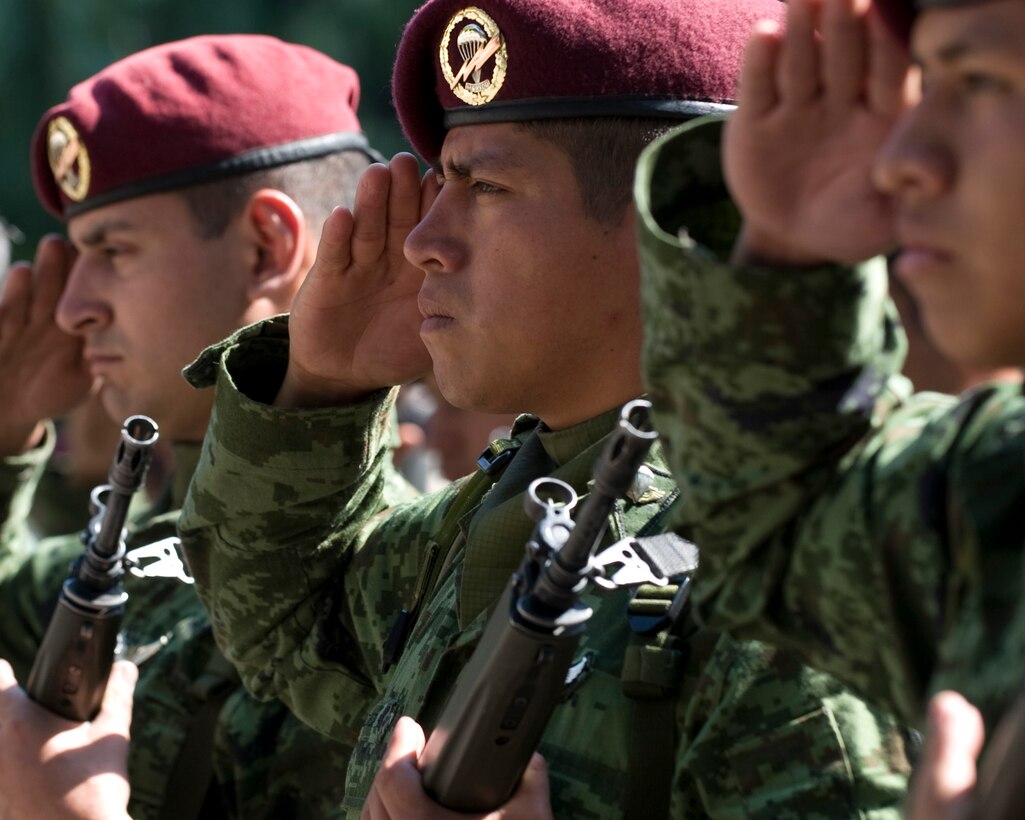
{"type": "Point", "coordinates": [475, 162]}
{"type": "Point", "coordinates": [99, 233]}
{"type": "Point", "coordinates": [980, 39]}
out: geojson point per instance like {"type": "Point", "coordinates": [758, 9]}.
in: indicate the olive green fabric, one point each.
{"type": "Point", "coordinates": [290, 502]}
{"type": "Point", "coordinates": [878, 533]}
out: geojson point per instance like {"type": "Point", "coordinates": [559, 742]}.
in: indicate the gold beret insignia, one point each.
{"type": "Point", "coordinates": [69, 160]}
{"type": "Point", "coordinates": [482, 55]}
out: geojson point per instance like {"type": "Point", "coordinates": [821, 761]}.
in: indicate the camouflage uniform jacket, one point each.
{"type": "Point", "coordinates": [305, 571]}
{"type": "Point", "coordinates": [267, 763]}
{"type": "Point", "coordinates": [877, 532]}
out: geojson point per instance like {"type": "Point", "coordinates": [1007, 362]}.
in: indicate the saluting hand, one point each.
{"type": "Point", "coordinates": [816, 103]}
{"type": "Point", "coordinates": [355, 324]}
{"type": "Point", "coordinates": [397, 792]}
{"type": "Point", "coordinates": [42, 374]}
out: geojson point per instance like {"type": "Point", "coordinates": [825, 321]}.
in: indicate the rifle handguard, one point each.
{"type": "Point", "coordinates": [505, 696]}
{"type": "Point", "coordinates": [71, 669]}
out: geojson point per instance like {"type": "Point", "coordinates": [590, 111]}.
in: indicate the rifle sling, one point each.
{"type": "Point", "coordinates": [187, 796]}
{"type": "Point", "coordinates": [492, 464]}
{"type": "Point", "coordinates": [654, 667]}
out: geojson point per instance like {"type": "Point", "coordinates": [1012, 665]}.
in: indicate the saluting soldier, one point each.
{"type": "Point", "coordinates": [192, 177]}
{"type": "Point", "coordinates": [512, 271]}
{"type": "Point", "coordinates": [877, 531]}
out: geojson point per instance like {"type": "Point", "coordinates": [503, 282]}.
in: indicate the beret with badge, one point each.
{"type": "Point", "coordinates": [192, 111]}
{"type": "Point", "coordinates": [461, 63]}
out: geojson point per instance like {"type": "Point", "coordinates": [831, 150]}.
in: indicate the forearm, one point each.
{"type": "Point", "coordinates": [768, 387]}
{"type": "Point", "coordinates": [757, 372]}
{"type": "Point", "coordinates": [276, 507]}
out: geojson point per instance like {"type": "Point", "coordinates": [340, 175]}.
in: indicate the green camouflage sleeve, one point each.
{"type": "Point", "coordinates": [276, 508]}
{"type": "Point", "coordinates": [837, 515]}
{"type": "Point", "coordinates": [271, 766]}
{"type": "Point", "coordinates": [769, 737]}
{"type": "Point", "coordinates": [19, 477]}
{"type": "Point", "coordinates": [31, 572]}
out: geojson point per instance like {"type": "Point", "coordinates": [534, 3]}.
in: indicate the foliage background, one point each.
{"type": "Point", "coordinates": [46, 46]}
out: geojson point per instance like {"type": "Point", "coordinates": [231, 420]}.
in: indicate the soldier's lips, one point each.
{"type": "Point", "coordinates": [99, 363]}
{"type": "Point", "coordinates": [917, 260]}
{"type": "Point", "coordinates": [433, 324]}
{"type": "Point", "coordinates": [435, 316]}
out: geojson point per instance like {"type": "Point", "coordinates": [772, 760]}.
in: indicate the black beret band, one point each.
{"type": "Point", "coordinates": [258, 159]}
{"type": "Point", "coordinates": [551, 108]}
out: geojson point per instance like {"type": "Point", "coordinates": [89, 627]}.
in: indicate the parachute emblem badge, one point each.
{"type": "Point", "coordinates": [481, 54]}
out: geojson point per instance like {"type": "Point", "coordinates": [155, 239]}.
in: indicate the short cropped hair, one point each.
{"type": "Point", "coordinates": [603, 152]}
{"type": "Point", "coordinates": [317, 186]}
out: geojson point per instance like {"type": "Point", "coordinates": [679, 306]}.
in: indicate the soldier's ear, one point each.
{"type": "Point", "coordinates": [277, 231]}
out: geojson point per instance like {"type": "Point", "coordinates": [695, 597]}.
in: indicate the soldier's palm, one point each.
{"type": "Point", "coordinates": [42, 373]}
{"type": "Point", "coordinates": [811, 182]}
{"type": "Point", "coordinates": [361, 327]}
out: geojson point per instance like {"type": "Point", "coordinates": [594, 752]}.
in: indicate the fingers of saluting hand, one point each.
{"type": "Point", "coordinates": [844, 50]}
{"type": "Point", "coordinates": [797, 71]}
{"type": "Point", "coordinates": [16, 300]}
{"type": "Point", "coordinates": [54, 258]}
{"type": "Point", "coordinates": [429, 189]}
{"type": "Point", "coordinates": [370, 215]}
{"type": "Point", "coordinates": [386, 209]}
{"type": "Point", "coordinates": [887, 88]}
{"type": "Point", "coordinates": [758, 94]}
{"type": "Point", "coordinates": [31, 292]}
{"type": "Point", "coordinates": [404, 209]}
{"type": "Point", "coordinates": [839, 49]}
{"type": "Point", "coordinates": [333, 250]}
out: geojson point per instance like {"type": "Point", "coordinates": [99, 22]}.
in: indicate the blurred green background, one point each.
{"type": "Point", "coordinates": [46, 46]}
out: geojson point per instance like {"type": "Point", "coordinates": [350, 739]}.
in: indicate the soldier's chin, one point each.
{"type": "Point", "coordinates": [117, 403]}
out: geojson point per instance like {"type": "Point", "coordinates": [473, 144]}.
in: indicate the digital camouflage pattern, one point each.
{"type": "Point", "coordinates": [267, 764]}
{"type": "Point", "coordinates": [305, 569]}
{"type": "Point", "coordinates": [877, 532]}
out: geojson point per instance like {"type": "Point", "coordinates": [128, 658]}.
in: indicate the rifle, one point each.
{"type": "Point", "coordinates": [495, 717]}
{"type": "Point", "coordinates": [71, 669]}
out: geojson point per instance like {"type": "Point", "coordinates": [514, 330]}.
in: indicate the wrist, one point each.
{"type": "Point", "coordinates": [304, 393]}
{"type": "Point", "coordinates": [756, 247]}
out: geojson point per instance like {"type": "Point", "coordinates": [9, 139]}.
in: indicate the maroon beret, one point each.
{"type": "Point", "coordinates": [189, 112]}
{"type": "Point", "coordinates": [514, 60]}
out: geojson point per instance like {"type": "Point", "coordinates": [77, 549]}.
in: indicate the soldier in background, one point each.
{"type": "Point", "coordinates": [519, 287]}
{"type": "Point", "coordinates": [193, 178]}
